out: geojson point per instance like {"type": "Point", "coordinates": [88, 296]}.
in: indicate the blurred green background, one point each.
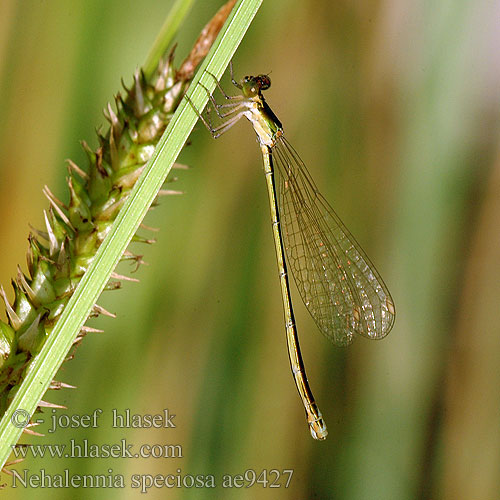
{"type": "Point", "coordinates": [394, 106]}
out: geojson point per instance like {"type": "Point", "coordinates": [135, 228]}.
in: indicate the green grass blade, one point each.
{"type": "Point", "coordinates": [45, 365]}
{"type": "Point", "coordinates": [175, 17]}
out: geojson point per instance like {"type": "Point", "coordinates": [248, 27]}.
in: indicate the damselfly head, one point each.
{"type": "Point", "coordinates": [254, 85]}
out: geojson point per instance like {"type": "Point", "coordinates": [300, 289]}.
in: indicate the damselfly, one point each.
{"type": "Point", "coordinates": [339, 285]}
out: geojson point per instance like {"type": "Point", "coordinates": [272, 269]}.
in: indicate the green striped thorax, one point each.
{"type": "Point", "coordinates": [264, 121]}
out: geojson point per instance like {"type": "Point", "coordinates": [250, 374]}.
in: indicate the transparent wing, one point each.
{"type": "Point", "coordinates": [339, 285]}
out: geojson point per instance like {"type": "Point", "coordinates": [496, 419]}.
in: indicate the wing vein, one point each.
{"type": "Point", "coordinates": [339, 285]}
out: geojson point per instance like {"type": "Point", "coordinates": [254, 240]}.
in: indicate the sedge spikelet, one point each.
{"type": "Point", "coordinates": [59, 254]}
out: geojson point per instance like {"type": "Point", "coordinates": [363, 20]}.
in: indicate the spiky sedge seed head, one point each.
{"type": "Point", "coordinates": [59, 255]}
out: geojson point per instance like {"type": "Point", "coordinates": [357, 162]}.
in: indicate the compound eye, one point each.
{"type": "Point", "coordinates": [265, 82]}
